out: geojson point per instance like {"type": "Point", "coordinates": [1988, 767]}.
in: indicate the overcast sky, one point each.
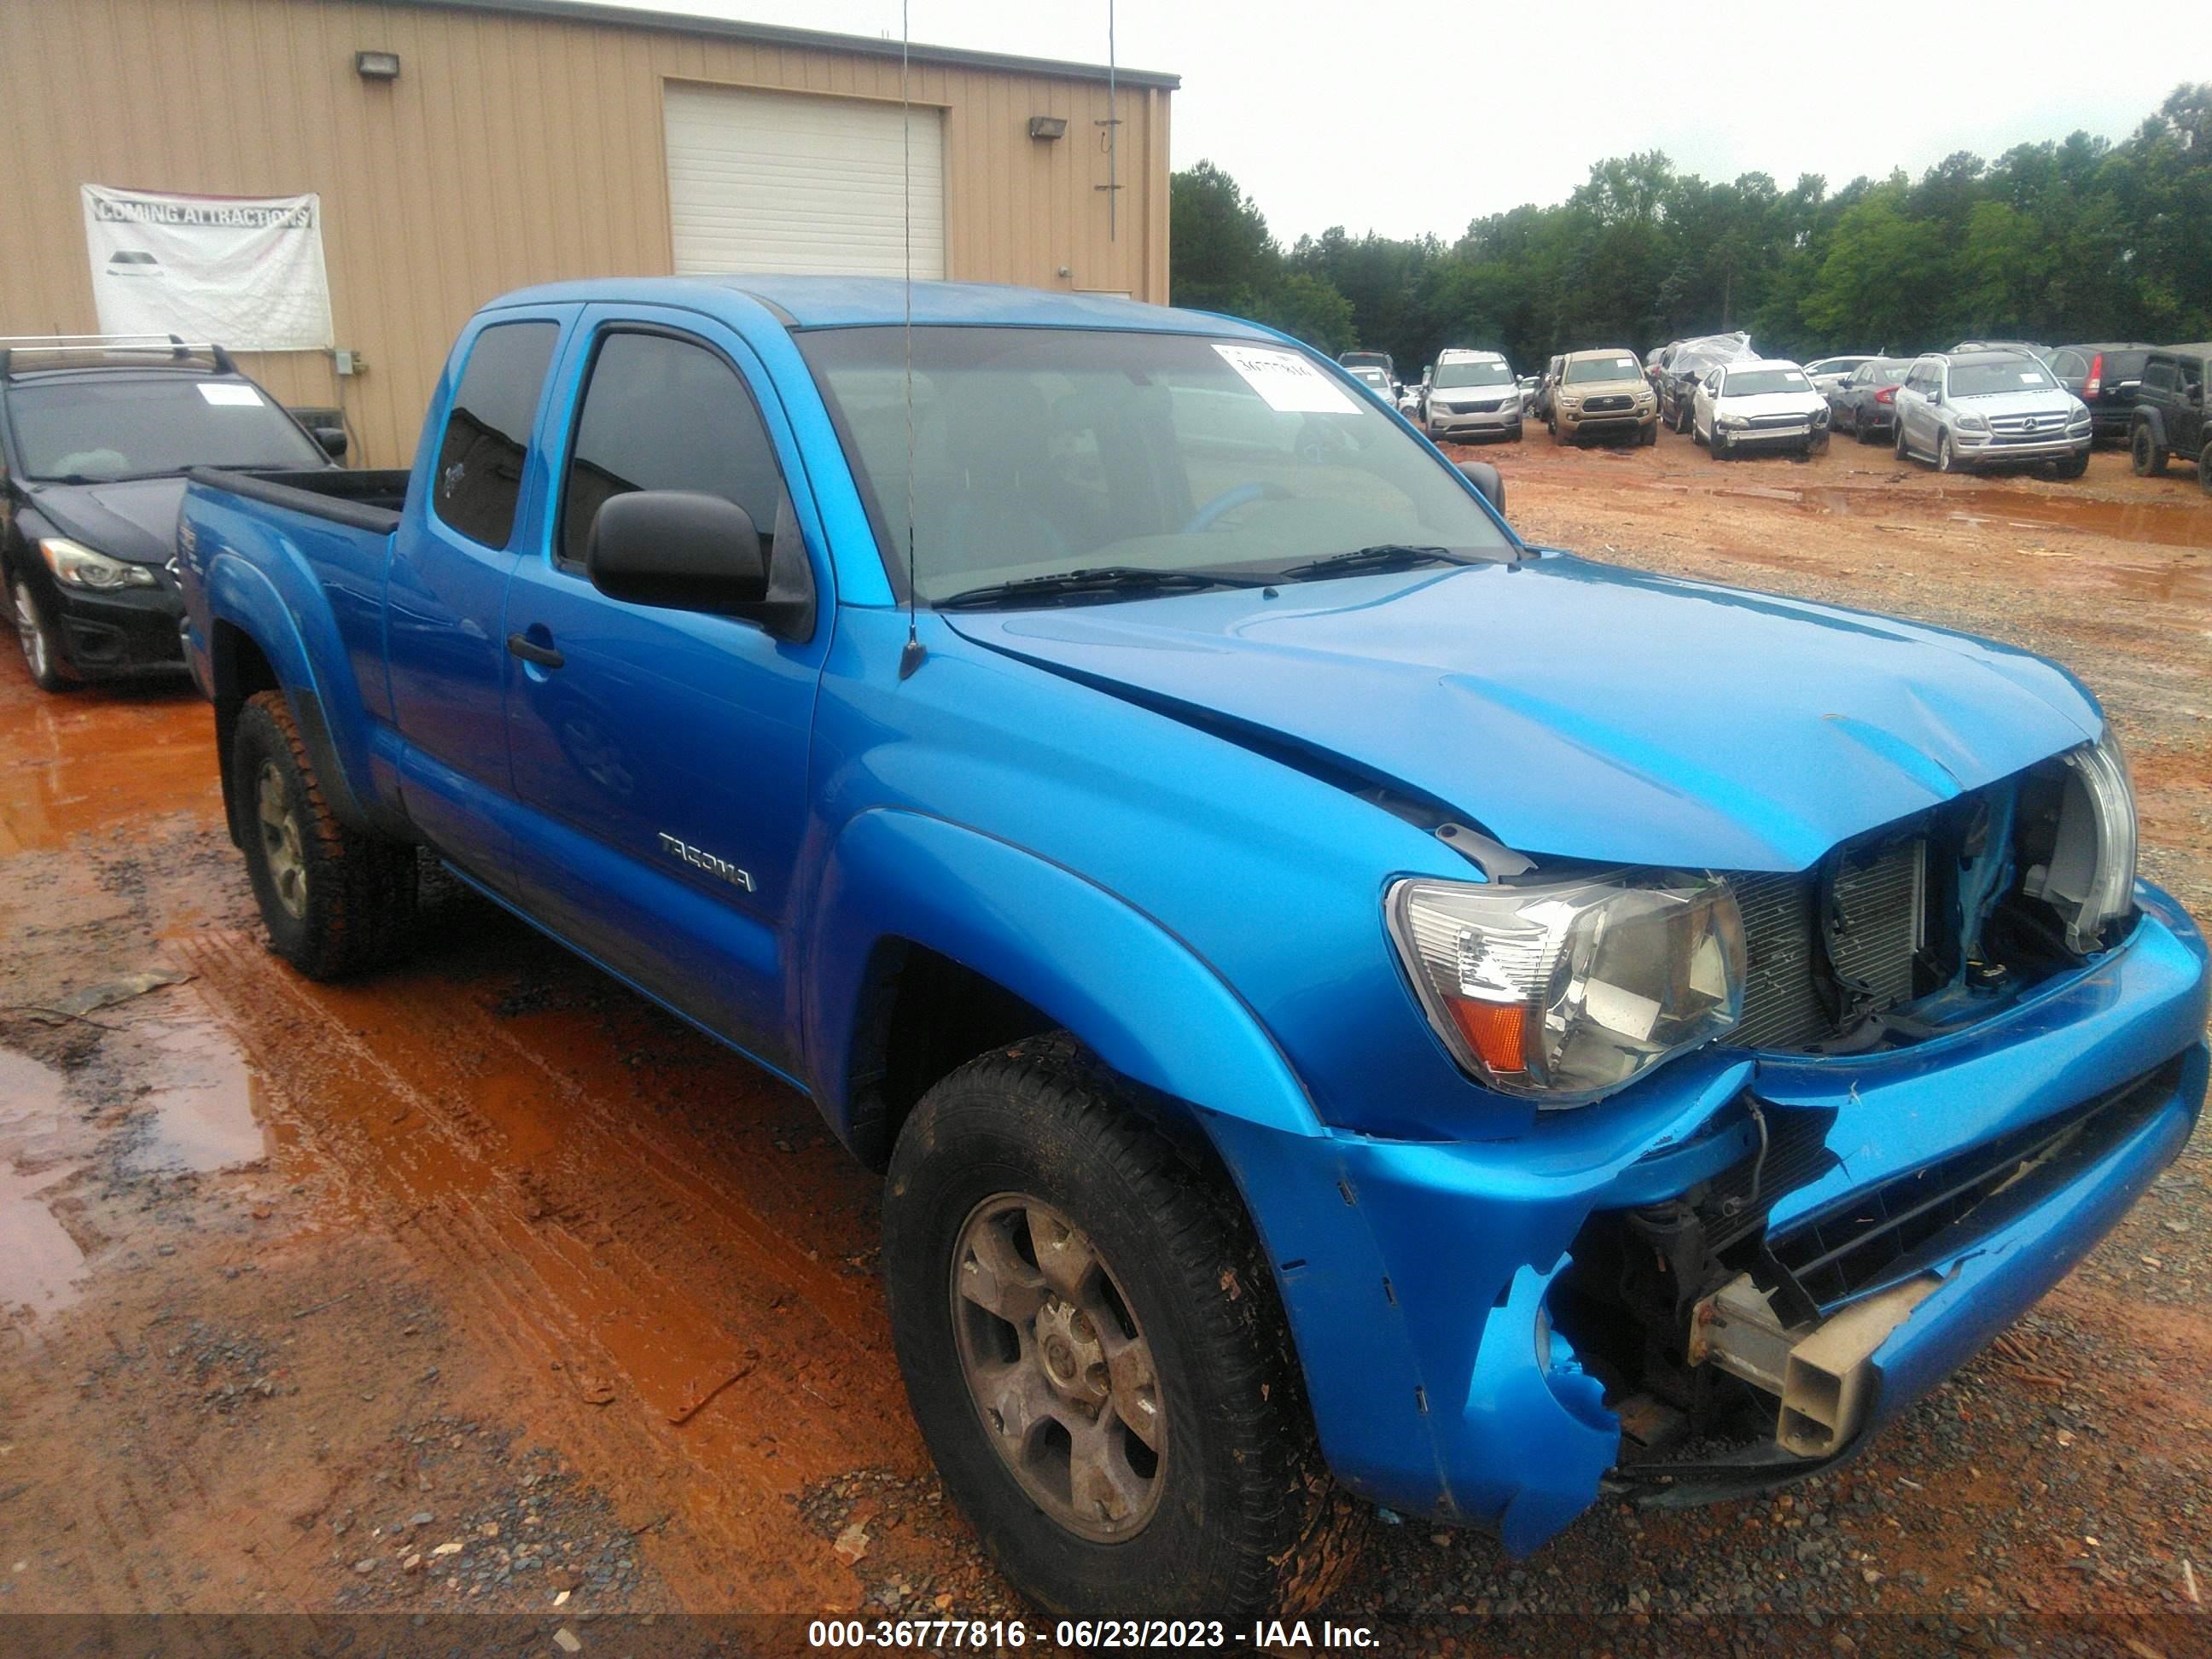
{"type": "Point", "coordinates": [1405, 117]}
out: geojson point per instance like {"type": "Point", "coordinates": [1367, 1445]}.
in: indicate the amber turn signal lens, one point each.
{"type": "Point", "coordinates": [1497, 1031]}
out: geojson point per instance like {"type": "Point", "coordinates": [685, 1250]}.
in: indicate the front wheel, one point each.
{"type": "Point", "coordinates": [2074, 465]}
{"type": "Point", "coordinates": [335, 901]}
{"type": "Point", "coordinates": [1947, 459]}
{"type": "Point", "coordinates": [1092, 1345]}
{"type": "Point", "coordinates": [2205, 469]}
{"type": "Point", "coordinates": [1648, 434]}
{"type": "Point", "coordinates": [36, 636]}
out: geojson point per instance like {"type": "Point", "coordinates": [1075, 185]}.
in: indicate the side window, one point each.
{"type": "Point", "coordinates": [479, 476]}
{"type": "Point", "coordinates": [662, 413]}
{"type": "Point", "coordinates": [2157, 377]}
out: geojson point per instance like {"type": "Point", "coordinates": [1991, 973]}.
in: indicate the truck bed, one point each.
{"type": "Point", "coordinates": [362, 500]}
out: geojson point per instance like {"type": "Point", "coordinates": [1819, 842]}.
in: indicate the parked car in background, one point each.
{"type": "Point", "coordinates": [1828, 373]}
{"type": "Point", "coordinates": [2168, 418]}
{"type": "Point", "coordinates": [1686, 366]}
{"type": "Point", "coordinates": [1975, 410]}
{"type": "Point", "coordinates": [1376, 380]}
{"type": "Point", "coordinates": [2105, 377]}
{"type": "Point", "coordinates": [1356, 360]}
{"type": "Point", "coordinates": [1756, 405]}
{"type": "Point", "coordinates": [1865, 403]}
{"type": "Point", "coordinates": [1539, 406]}
{"type": "Point", "coordinates": [1473, 395]}
{"type": "Point", "coordinates": [1603, 394]}
{"type": "Point", "coordinates": [1550, 994]}
{"type": "Point", "coordinates": [1528, 385]}
{"type": "Point", "coordinates": [2040, 353]}
{"type": "Point", "coordinates": [96, 435]}
{"type": "Point", "coordinates": [1410, 395]}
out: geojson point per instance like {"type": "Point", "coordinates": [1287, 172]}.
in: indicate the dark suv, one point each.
{"type": "Point", "coordinates": [2104, 375]}
{"type": "Point", "coordinates": [96, 435]}
{"type": "Point", "coordinates": [2168, 418]}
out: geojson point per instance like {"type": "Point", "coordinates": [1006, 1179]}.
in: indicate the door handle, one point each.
{"type": "Point", "coordinates": [522, 646]}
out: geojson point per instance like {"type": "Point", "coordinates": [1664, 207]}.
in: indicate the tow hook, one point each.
{"type": "Point", "coordinates": [1820, 1371]}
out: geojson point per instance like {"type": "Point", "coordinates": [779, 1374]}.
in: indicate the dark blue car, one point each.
{"type": "Point", "coordinates": [1346, 1002]}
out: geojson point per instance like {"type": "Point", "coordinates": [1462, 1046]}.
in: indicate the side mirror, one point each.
{"type": "Point", "coordinates": [1485, 477]}
{"type": "Point", "coordinates": [332, 440]}
{"type": "Point", "coordinates": [678, 550]}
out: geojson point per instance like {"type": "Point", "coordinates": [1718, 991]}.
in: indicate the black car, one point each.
{"type": "Point", "coordinates": [95, 438]}
{"type": "Point", "coordinates": [1864, 404]}
{"type": "Point", "coordinates": [2168, 418]}
{"type": "Point", "coordinates": [2104, 374]}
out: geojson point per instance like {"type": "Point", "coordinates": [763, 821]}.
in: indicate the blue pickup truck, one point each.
{"type": "Point", "coordinates": [1347, 1003]}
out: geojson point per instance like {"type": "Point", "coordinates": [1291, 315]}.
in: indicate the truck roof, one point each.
{"type": "Point", "coordinates": [856, 301]}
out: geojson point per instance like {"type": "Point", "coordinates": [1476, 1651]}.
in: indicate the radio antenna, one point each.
{"type": "Point", "coordinates": [911, 657]}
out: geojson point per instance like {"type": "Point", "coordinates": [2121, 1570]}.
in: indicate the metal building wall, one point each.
{"type": "Point", "coordinates": [513, 148]}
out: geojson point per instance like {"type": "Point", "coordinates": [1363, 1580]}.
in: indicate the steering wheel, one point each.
{"type": "Point", "coordinates": [1229, 501]}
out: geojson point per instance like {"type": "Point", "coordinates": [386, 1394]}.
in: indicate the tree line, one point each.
{"type": "Point", "coordinates": [2078, 240]}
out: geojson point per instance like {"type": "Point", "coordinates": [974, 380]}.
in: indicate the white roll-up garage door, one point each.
{"type": "Point", "coordinates": [778, 181]}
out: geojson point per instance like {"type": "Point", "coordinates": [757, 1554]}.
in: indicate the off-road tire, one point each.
{"type": "Point", "coordinates": [357, 889]}
{"type": "Point", "coordinates": [1248, 1519]}
{"type": "Point", "coordinates": [2147, 453]}
{"type": "Point", "coordinates": [1648, 435]}
{"type": "Point", "coordinates": [2205, 469]}
{"type": "Point", "coordinates": [42, 657]}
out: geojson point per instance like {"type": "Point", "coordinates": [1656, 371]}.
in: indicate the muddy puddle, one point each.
{"type": "Point", "coordinates": [1995, 509]}
{"type": "Point", "coordinates": [40, 1264]}
{"type": "Point", "coordinates": [74, 764]}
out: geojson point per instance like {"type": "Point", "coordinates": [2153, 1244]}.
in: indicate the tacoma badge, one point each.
{"type": "Point", "coordinates": [713, 866]}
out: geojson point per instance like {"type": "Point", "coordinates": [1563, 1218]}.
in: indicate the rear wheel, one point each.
{"type": "Point", "coordinates": [36, 636]}
{"type": "Point", "coordinates": [1093, 1348]}
{"type": "Point", "coordinates": [2148, 454]}
{"type": "Point", "coordinates": [335, 901]}
{"type": "Point", "coordinates": [1863, 433]}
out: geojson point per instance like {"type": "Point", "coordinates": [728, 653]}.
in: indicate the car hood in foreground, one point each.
{"type": "Point", "coordinates": [134, 519]}
{"type": "Point", "coordinates": [1578, 710]}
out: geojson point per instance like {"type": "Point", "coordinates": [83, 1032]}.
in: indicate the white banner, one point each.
{"type": "Point", "coordinates": [244, 272]}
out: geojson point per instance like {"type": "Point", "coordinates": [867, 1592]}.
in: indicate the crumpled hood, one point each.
{"type": "Point", "coordinates": [134, 519]}
{"type": "Point", "coordinates": [1585, 711]}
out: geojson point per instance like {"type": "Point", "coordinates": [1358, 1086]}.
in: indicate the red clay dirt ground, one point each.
{"type": "Point", "coordinates": [483, 1285]}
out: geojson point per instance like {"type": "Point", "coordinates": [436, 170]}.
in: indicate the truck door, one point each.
{"type": "Point", "coordinates": [446, 592]}
{"type": "Point", "coordinates": [661, 755]}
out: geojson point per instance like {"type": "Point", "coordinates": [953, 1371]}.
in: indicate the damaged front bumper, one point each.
{"type": "Point", "coordinates": [1420, 1278]}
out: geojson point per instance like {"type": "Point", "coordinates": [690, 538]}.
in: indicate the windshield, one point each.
{"type": "Point", "coordinates": [1041, 451]}
{"type": "Point", "coordinates": [1474, 374]}
{"type": "Point", "coordinates": [1751, 382]}
{"type": "Point", "coordinates": [100, 430]}
{"type": "Point", "coordinates": [1374, 377]}
{"type": "Point", "coordinates": [2008, 375]}
{"type": "Point", "coordinates": [1887, 374]}
{"type": "Point", "coordinates": [1585, 369]}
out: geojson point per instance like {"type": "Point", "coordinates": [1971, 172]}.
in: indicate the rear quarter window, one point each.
{"type": "Point", "coordinates": [480, 455]}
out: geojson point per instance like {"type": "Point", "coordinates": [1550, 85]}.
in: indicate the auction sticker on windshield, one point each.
{"type": "Point", "coordinates": [225, 396]}
{"type": "Point", "coordinates": [1289, 384]}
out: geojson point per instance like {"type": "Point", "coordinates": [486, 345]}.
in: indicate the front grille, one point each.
{"type": "Point", "coordinates": [1880, 904]}
{"type": "Point", "coordinates": [1891, 1232]}
{"type": "Point", "coordinates": [1607, 405]}
{"type": "Point", "coordinates": [2028, 429]}
{"type": "Point", "coordinates": [1473, 409]}
{"type": "Point", "coordinates": [1763, 421]}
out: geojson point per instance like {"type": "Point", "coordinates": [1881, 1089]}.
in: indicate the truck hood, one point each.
{"type": "Point", "coordinates": [1582, 711]}
{"type": "Point", "coordinates": [134, 519]}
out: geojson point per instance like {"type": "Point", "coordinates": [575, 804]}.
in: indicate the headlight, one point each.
{"type": "Point", "coordinates": [1731, 421]}
{"type": "Point", "coordinates": [1565, 992]}
{"type": "Point", "coordinates": [1970, 423]}
{"type": "Point", "coordinates": [2090, 878]}
{"type": "Point", "coordinates": [1820, 416]}
{"type": "Point", "coordinates": [76, 565]}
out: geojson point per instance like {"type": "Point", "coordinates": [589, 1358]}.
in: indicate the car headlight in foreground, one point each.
{"type": "Point", "coordinates": [76, 565]}
{"type": "Point", "coordinates": [2089, 878]}
{"type": "Point", "coordinates": [1564, 992]}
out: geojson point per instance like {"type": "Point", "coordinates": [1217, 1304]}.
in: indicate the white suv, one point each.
{"type": "Point", "coordinates": [1472, 394]}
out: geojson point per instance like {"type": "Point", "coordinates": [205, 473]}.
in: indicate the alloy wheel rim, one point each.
{"type": "Point", "coordinates": [29, 633]}
{"type": "Point", "coordinates": [1058, 1369]}
{"type": "Point", "coordinates": [279, 828]}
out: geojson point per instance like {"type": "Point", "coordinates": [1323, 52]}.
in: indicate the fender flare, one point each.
{"type": "Point", "coordinates": [1132, 990]}
{"type": "Point", "coordinates": [2155, 420]}
{"type": "Point", "coordinates": [241, 595]}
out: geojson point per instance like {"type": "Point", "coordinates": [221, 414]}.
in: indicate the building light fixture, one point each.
{"type": "Point", "coordinates": [1047, 126]}
{"type": "Point", "coordinates": [376, 65]}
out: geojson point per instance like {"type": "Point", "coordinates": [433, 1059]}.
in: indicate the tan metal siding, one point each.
{"type": "Point", "coordinates": [511, 150]}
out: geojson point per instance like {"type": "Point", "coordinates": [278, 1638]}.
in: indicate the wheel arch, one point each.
{"type": "Point", "coordinates": [915, 913]}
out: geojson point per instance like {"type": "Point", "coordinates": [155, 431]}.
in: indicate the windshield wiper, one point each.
{"type": "Point", "coordinates": [1383, 555]}
{"type": "Point", "coordinates": [1102, 580]}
